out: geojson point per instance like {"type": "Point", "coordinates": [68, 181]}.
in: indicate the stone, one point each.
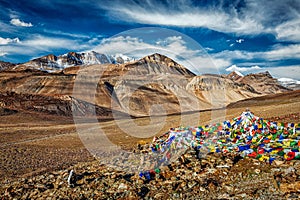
{"type": "Point", "coordinates": [290, 187]}
{"type": "Point", "coordinates": [122, 186]}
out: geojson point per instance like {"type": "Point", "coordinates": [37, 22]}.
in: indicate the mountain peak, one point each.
{"type": "Point", "coordinates": [160, 60]}
{"type": "Point", "coordinates": [50, 57]}
{"type": "Point", "coordinates": [263, 82]}
{"type": "Point", "coordinates": [234, 75]}
{"type": "Point", "coordinates": [266, 73]}
{"type": "Point", "coordinates": [156, 57]}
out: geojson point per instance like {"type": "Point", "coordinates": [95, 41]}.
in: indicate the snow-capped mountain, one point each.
{"type": "Point", "coordinates": [290, 83]}
{"type": "Point", "coordinates": [196, 91]}
{"type": "Point", "coordinates": [52, 62]}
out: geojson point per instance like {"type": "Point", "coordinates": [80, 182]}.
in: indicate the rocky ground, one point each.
{"type": "Point", "coordinates": [38, 153]}
{"type": "Point", "coordinates": [216, 176]}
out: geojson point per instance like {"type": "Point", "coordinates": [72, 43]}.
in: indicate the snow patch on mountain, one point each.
{"type": "Point", "coordinates": [289, 83]}
{"type": "Point", "coordinates": [238, 73]}
{"type": "Point", "coordinates": [51, 63]}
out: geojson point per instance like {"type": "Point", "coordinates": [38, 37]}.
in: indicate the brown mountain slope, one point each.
{"type": "Point", "coordinates": [219, 90]}
{"type": "Point", "coordinates": [263, 83]}
{"type": "Point", "coordinates": [60, 105]}
{"type": "Point", "coordinates": [6, 65]}
{"type": "Point", "coordinates": [154, 84]}
{"type": "Point", "coordinates": [157, 63]}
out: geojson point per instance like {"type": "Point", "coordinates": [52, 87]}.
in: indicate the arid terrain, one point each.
{"type": "Point", "coordinates": [40, 143]}
{"type": "Point", "coordinates": [33, 145]}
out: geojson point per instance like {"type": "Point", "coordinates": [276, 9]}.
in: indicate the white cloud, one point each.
{"type": "Point", "coordinates": [5, 41]}
{"type": "Point", "coordinates": [213, 19]}
{"type": "Point", "coordinates": [289, 30]}
{"type": "Point", "coordinates": [292, 71]}
{"type": "Point", "coordinates": [196, 60]}
{"type": "Point", "coordinates": [212, 65]}
{"type": "Point", "coordinates": [48, 42]}
{"type": "Point", "coordinates": [277, 17]}
{"type": "Point", "coordinates": [39, 44]}
{"type": "Point", "coordinates": [208, 49]}
{"type": "Point", "coordinates": [240, 40]}
{"type": "Point", "coordinates": [174, 47]}
{"type": "Point", "coordinates": [18, 22]}
{"type": "Point", "coordinates": [73, 35]}
{"type": "Point", "coordinates": [122, 44]}
{"type": "Point", "coordinates": [242, 69]}
{"type": "Point", "coordinates": [13, 14]}
{"type": "Point", "coordinates": [235, 54]}
{"type": "Point", "coordinates": [3, 54]}
{"type": "Point", "coordinates": [277, 53]}
{"type": "Point", "coordinates": [6, 27]}
{"type": "Point", "coordinates": [283, 52]}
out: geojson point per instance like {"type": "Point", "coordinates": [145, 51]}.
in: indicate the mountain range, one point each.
{"type": "Point", "coordinates": [52, 63]}
{"type": "Point", "coordinates": [119, 84]}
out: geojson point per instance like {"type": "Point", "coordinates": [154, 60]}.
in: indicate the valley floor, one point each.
{"type": "Point", "coordinates": [33, 145]}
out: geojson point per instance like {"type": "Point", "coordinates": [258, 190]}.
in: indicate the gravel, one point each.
{"type": "Point", "coordinates": [217, 176]}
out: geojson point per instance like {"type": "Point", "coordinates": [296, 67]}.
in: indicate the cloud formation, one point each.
{"type": "Point", "coordinates": [277, 17]}
{"type": "Point", "coordinates": [18, 22]}
{"type": "Point", "coordinates": [240, 40]}
{"type": "Point", "coordinates": [5, 41]}
{"type": "Point", "coordinates": [40, 45]}
{"type": "Point", "coordinates": [174, 47]}
{"type": "Point", "coordinates": [2, 53]}
{"type": "Point", "coordinates": [198, 62]}
{"type": "Point", "coordinates": [277, 53]}
{"type": "Point", "coordinates": [72, 35]}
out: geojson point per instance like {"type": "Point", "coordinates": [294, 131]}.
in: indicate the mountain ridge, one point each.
{"type": "Point", "coordinates": [6, 65]}
{"type": "Point", "coordinates": [53, 63]}
{"type": "Point", "coordinates": [136, 86]}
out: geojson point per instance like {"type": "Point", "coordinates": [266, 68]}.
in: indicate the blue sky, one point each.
{"type": "Point", "coordinates": [245, 35]}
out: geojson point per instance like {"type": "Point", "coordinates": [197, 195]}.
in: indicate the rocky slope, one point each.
{"type": "Point", "coordinates": [262, 82]}
{"type": "Point", "coordinates": [61, 105]}
{"type": "Point", "coordinates": [215, 176]}
{"type": "Point", "coordinates": [160, 64]}
{"type": "Point", "coordinates": [154, 84]}
{"type": "Point", "coordinates": [6, 65]}
{"type": "Point", "coordinates": [220, 91]}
